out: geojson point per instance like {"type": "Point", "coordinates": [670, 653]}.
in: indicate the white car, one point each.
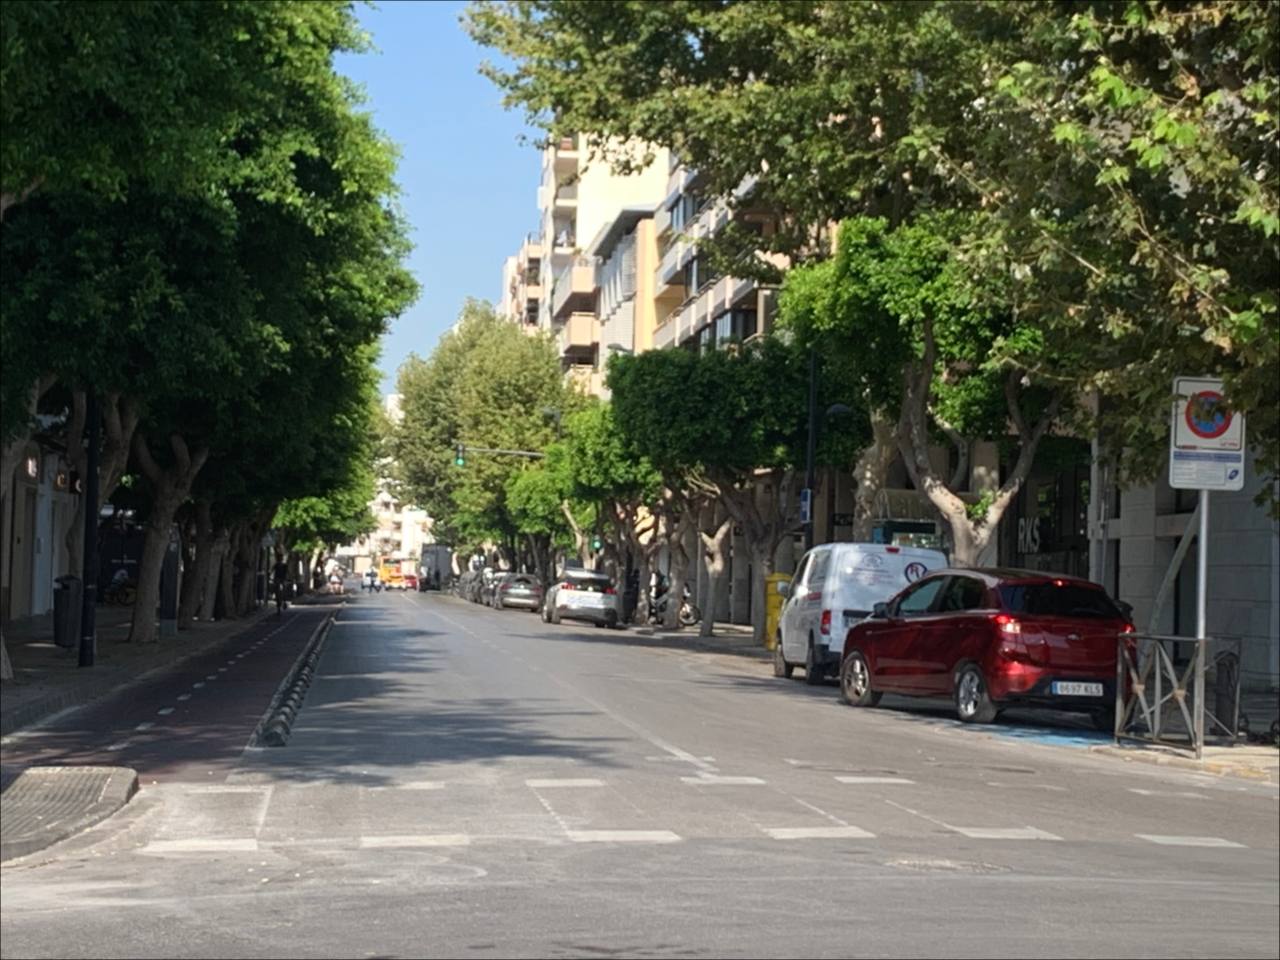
{"type": "Point", "coordinates": [582, 595]}
{"type": "Point", "coordinates": [835, 586]}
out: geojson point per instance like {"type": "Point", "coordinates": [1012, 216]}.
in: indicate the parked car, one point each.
{"type": "Point", "coordinates": [990, 639]}
{"type": "Point", "coordinates": [411, 581]}
{"type": "Point", "coordinates": [835, 586]}
{"type": "Point", "coordinates": [582, 595]}
{"type": "Point", "coordinates": [517, 590]}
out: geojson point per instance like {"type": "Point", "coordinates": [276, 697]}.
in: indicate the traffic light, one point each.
{"type": "Point", "coordinates": [460, 456]}
{"type": "Point", "coordinates": [596, 543]}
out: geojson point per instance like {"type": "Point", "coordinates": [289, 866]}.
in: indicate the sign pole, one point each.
{"type": "Point", "coordinates": [1202, 567]}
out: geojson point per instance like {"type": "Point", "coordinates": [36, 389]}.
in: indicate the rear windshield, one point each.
{"type": "Point", "coordinates": [1052, 600]}
{"type": "Point", "coordinates": [591, 586]}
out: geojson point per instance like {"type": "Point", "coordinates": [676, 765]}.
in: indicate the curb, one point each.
{"type": "Point", "coordinates": [90, 689]}
{"type": "Point", "coordinates": [276, 725]}
{"type": "Point", "coordinates": [120, 786]}
{"type": "Point", "coordinates": [1216, 767]}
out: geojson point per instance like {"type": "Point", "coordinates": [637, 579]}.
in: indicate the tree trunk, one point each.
{"type": "Point", "coordinates": [227, 580]}
{"type": "Point", "coordinates": [213, 575]}
{"type": "Point", "coordinates": [680, 561]}
{"type": "Point", "coordinates": [171, 486]}
{"type": "Point", "coordinates": [715, 547]}
{"type": "Point", "coordinates": [870, 473]}
{"type": "Point", "coordinates": [247, 566]}
{"type": "Point", "coordinates": [196, 580]}
{"type": "Point", "coordinates": [762, 553]}
{"type": "Point", "coordinates": [119, 421]}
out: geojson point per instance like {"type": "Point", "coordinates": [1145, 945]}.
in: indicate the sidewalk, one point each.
{"type": "Point", "coordinates": [730, 638]}
{"type": "Point", "coordinates": [48, 678]}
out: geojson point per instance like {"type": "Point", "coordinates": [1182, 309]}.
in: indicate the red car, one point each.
{"type": "Point", "coordinates": [990, 639]}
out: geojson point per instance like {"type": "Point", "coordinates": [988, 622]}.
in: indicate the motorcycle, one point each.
{"type": "Point", "coordinates": [689, 613]}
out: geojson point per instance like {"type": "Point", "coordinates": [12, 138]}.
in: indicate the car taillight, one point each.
{"type": "Point", "coordinates": [1127, 628]}
{"type": "Point", "coordinates": [608, 589]}
{"type": "Point", "coordinates": [891, 549]}
{"type": "Point", "coordinates": [504, 587]}
{"type": "Point", "coordinates": [825, 627]}
{"type": "Point", "coordinates": [566, 586]}
{"type": "Point", "coordinates": [1007, 624]}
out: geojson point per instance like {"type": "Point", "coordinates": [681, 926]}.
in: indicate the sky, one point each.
{"type": "Point", "coordinates": [469, 187]}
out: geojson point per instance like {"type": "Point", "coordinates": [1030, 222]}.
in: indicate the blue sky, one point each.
{"type": "Point", "coordinates": [469, 187]}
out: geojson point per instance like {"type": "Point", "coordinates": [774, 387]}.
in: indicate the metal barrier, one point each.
{"type": "Point", "coordinates": [1160, 697]}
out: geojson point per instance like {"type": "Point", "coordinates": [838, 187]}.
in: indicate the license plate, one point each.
{"type": "Point", "coordinates": [1064, 688]}
{"type": "Point", "coordinates": [582, 598]}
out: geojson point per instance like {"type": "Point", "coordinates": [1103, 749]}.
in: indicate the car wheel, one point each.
{"type": "Point", "coordinates": [545, 613]}
{"type": "Point", "coordinates": [813, 671]}
{"type": "Point", "coordinates": [497, 603]}
{"type": "Point", "coordinates": [780, 666]}
{"type": "Point", "coordinates": [973, 704]}
{"type": "Point", "coordinates": [855, 682]}
{"type": "Point", "coordinates": [555, 615]}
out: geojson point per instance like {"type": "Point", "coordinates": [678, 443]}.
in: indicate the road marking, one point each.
{"type": "Point", "coordinates": [222, 669]}
{"type": "Point", "coordinates": [623, 836]}
{"type": "Point", "coordinates": [715, 780]}
{"type": "Point", "coordinates": [118, 746]}
{"type": "Point", "coordinates": [184, 696]}
{"type": "Point", "coordinates": [203, 845]}
{"type": "Point", "coordinates": [197, 685]}
{"type": "Point", "coordinates": [1167, 793]}
{"type": "Point", "coordinates": [165, 711]}
{"type": "Point", "coordinates": [1004, 833]}
{"type": "Point", "coordinates": [211, 676]}
{"type": "Point", "coordinates": [421, 785]}
{"type": "Point", "coordinates": [1173, 841]}
{"type": "Point", "coordinates": [1026, 786]}
{"type": "Point", "coordinates": [874, 780]}
{"type": "Point", "coordinates": [565, 782]}
{"type": "Point", "coordinates": [145, 726]}
{"type": "Point", "coordinates": [818, 833]}
{"type": "Point", "coordinates": [417, 840]}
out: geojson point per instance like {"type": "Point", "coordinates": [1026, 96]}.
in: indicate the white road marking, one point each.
{"type": "Point", "coordinates": [145, 726]}
{"type": "Point", "coordinates": [416, 840]}
{"type": "Point", "coordinates": [421, 785]}
{"type": "Point", "coordinates": [1173, 841]}
{"type": "Point", "coordinates": [542, 784]}
{"type": "Point", "coordinates": [1004, 833]}
{"type": "Point", "coordinates": [623, 836]}
{"type": "Point", "coordinates": [165, 711]}
{"type": "Point", "coordinates": [874, 780]}
{"type": "Point", "coordinates": [197, 685]}
{"type": "Point", "coordinates": [184, 696]}
{"type": "Point", "coordinates": [1026, 786]}
{"type": "Point", "coordinates": [203, 845]}
{"type": "Point", "coordinates": [212, 676]}
{"type": "Point", "coordinates": [118, 746]}
{"type": "Point", "coordinates": [1167, 793]}
{"type": "Point", "coordinates": [222, 669]}
{"type": "Point", "coordinates": [715, 780]}
{"type": "Point", "coordinates": [818, 833]}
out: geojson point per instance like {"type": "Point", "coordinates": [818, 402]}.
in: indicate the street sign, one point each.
{"type": "Point", "coordinates": [806, 505]}
{"type": "Point", "coordinates": [1206, 440]}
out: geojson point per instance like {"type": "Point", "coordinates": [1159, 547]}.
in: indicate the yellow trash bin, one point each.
{"type": "Point", "coordinates": [773, 602]}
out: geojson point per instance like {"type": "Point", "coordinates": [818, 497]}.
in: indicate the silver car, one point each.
{"type": "Point", "coordinates": [516, 590]}
{"type": "Point", "coordinates": [582, 595]}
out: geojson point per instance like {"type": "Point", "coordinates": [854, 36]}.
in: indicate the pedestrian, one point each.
{"type": "Point", "coordinates": [335, 582]}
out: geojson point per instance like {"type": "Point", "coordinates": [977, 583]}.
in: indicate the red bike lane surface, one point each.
{"type": "Point", "coordinates": [188, 723]}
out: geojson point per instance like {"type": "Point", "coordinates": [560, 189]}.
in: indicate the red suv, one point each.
{"type": "Point", "coordinates": [990, 638]}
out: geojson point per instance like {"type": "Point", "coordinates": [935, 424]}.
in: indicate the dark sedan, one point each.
{"type": "Point", "coordinates": [517, 590]}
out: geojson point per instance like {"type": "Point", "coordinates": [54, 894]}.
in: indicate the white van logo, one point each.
{"type": "Point", "coordinates": [872, 560]}
{"type": "Point", "coordinates": [914, 571]}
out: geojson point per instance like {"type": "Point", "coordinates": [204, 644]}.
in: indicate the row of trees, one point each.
{"type": "Point", "coordinates": [199, 234]}
{"type": "Point", "coordinates": [1045, 213]}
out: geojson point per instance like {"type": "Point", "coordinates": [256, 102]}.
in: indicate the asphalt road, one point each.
{"type": "Point", "coordinates": [465, 782]}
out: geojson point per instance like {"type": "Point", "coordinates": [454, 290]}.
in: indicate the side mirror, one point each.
{"type": "Point", "coordinates": [784, 589]}
{"type": "Point", "coordinates": [880, 611]}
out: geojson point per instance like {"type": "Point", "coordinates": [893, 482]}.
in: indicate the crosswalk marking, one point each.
{"type": "Point", "coordinates": [544, 783]}
{"type": "Point", "coordinates": [1005, 833]}
{"type": "Point", "coordinates": [623, 836]}
{"type": "Point", "coordinates": [416, 840]}
{"type": "Point", "coordinates": [715, 780]}
{"type": "Point", "coordinates": [1176, 841]}
{"type": "Point", "coordinates": [818, 833]}
{"type": "Point", "coordinates": [874, 780]}
{"type": "Point", "coordinates": [1168, 793]}
{"type": "Point", "coordinates": [203, 845]}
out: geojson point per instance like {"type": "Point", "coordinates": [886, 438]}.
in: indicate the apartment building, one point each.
{"type": "Point", "coordinates": [522, 285]}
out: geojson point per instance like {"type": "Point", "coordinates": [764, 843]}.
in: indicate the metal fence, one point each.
{"type": "Point", "coordinates": [1163, 686]}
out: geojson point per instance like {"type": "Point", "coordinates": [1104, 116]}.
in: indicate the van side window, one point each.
{"type": "Point", "coordinates": [818, 568]}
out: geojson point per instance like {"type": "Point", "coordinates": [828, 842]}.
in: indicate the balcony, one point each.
{"type": "Point", "coordinates": [574, 289]}
{"type": "Point", "coordinates": [566, 198]}
{"type": "Point", "coordinates": [576, 339]}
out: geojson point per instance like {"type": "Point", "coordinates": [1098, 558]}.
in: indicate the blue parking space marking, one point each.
{"type": "Point", "coordinates": [1054, 737]}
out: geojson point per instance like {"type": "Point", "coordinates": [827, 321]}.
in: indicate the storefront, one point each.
{"type": "Point", "coordinates": [1047, 527]}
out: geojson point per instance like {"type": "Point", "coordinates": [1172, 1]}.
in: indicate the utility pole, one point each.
{"type": "Point", "coordinates": [89, 486]}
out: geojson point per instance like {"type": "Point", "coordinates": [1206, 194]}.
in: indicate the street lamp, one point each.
{"type": "Point", "coordinates": [836, 409]}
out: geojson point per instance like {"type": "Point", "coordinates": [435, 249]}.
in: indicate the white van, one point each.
{"type": "Point", "coordinates": [835, 586]}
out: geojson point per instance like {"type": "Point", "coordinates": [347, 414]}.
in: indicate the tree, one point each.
{"type": "Point", "coordinates": [1122, 157]}
{"type": "Point", "coordinates": [746, 456]}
